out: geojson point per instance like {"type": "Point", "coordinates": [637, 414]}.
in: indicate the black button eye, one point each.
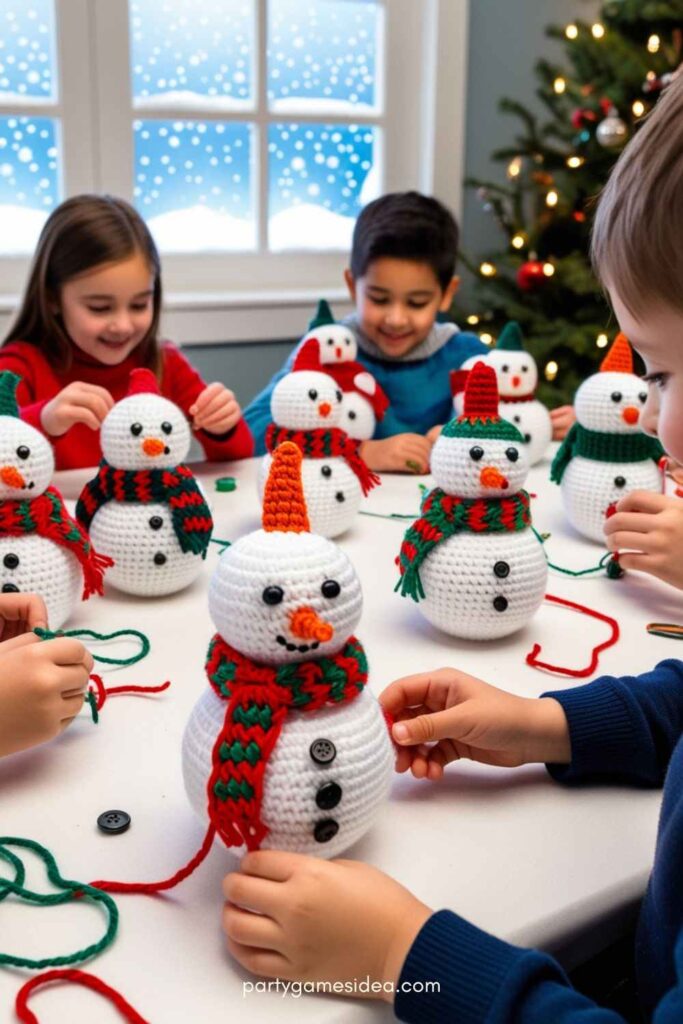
{"type": "Point", "coordinates": [136, 429]}
{"type": "Point", "coordinates": [476, 453]}
{"type": "Point", "coordinates": [643, 397]}
{"type": "Point", "coordinates": [347, 341]}
{"type": "Point", "coordinates": [512, 454]}
{"type": "Point", "coordinates": [330, 588]}
{"type": "Point", "coordinates": [23, 452]}
{"type": "Point", "coordinates": [330, 341]}
{"type": "Point", "coordinates": [166, 427]}
{"type": "Point", "coordinates": [339, 395]}
{"type": "Point", "coordinates": [616, 396]}
{"type": "Point", "coordinates": [620, 481]}
{"type": "Point", "coordinates": [525, 369]}
{"type": "Point", "coordinates": [352, 414]}
{"type": "Point", "coordinates": [313, 394]}
{"type": "Point", "coordinates": [273, 595]}
{"type": "Point", "coordinates": [505, 368]}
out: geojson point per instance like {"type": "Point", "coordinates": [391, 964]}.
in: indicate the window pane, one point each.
{"type": "Point", "coordinates": [320, 177]}
{"type": "Point", "coordinates": [27, 51]}
{"type": "Point", "coordinates": [193, 183]}
{"type": "Point", "coordinates": [191, 53]}
{"type": "Point", "coordinates": [29, 179]}
{"type": "Point", "coordinates": [324, 55]}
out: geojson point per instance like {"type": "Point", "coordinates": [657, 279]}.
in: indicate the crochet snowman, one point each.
{"type": "Point", "coordinates": [517, 375]}
{"type": "Point", "coordinates": [42, 549]}
{"type": "Point", "coordinates": [472, 560]}
{"type": "Point", "coordinates": [605, 454]}
{"type": "Point", "coordinates": [363, 400]}
{"type": "Point", "coordinates": [287, 748]}
{"type": "Point", "coordinates": [306, 409]}
{"type": "Point", "coordinates": [144, 507]}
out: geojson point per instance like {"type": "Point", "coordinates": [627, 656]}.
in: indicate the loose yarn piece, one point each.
{"type": "Point", "coordinates": [175, 487]}
{"type": "Point", "coordinates": [149, 888]}
{"type": "Point", "coordinates": [47, 634]}
{"type": "Point", "coordinates": [98, 693]}
{"type": "Point", "coordinates": [532, 656]}
{"type": "Point", "coordinates": [47, 516]}
{"type": "Point", "coordinates": [90, 981]}
{"type": "Point", "coordinates": [321, 444]}
{"type": "Point", "coordinates": [258, 700]}
{"type": "Point", "coordinates": [70, 891]}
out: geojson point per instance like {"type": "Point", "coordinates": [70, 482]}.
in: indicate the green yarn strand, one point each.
{"type": "Point", "coordinates": [47, 634]}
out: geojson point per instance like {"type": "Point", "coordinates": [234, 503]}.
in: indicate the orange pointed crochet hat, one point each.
{"type": "Point", "coordinates": [284, 507]}
{"type": "Point", "coordinates": [619, 359]}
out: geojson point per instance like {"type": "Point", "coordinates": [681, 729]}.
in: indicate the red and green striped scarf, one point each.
{"type": "Point", "coordinates": [258, 699]}
{"type": "Point", "coordinates": [175, 487]}
{"type": "Point", "coordinates": [444, 515]}
{"type": "Point", "coordinates": [47, 516]}
{"type": "Point", "coordinates": [324, 444]}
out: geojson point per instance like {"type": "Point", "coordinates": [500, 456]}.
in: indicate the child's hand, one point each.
{"type": "Point", "coordinates": [674, 470]}
{"type": "Point", "coordinates": [562, 419]}
{"type": "Point", "coordinates": [316, 920]}
{"type": "Point", "coordinates": [78, 402]}
{"type": "Point", "coordinates": [42, 685]}
{"type": "Point", "coordinates": [445, 715]}
{"type": "Point", "coordinates": [434, 434]}
{"type": "Point", "coordinates": [651, 526]}
{"type": "Point", "coordinates": [21, 613]}
{"type": "Point", "coordinates": [402, 453]}
{"type": "Point", "coordinates": [215, 410]}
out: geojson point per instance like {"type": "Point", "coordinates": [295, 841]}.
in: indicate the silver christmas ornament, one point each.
{"type": "Point", "coordinates": [612, 132]}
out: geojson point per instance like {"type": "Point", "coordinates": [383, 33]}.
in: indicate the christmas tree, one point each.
{"type": "Point", "coordinates": [615, 70]}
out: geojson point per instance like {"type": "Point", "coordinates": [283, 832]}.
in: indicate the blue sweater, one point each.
{"type": "Point", "coordinates": [418, 389]}
{"type": "Point", "coordinates": [627, 730]}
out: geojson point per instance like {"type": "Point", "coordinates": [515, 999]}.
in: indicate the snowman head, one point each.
{"type": "Point", "coordinates": [144, 430]}
{"type": "Point", "coordinates": [26, 459]}
{"type": "Point", "coordinates": [364, 402]}
{"type": "Point", "coordinates": [282, 595]}
{"type": "Point", "coordinates": [337, 343]}
{"type": "Point", "coordinates": [516, 370]}
{"type": "Point", "coordinates": [612, 400]}
{"type": "Point", "coordinates": [306, 398]}
{"type": "Point", "coordinates": [480, 455]}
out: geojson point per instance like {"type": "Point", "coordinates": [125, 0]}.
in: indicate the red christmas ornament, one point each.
{"type": "Point", "coordinates": [530, 276]}
{"type": "Point", "coordinates": [583, 118]}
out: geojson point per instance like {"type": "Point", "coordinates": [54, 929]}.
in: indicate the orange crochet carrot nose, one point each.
{"type": "Point", "coordinates": [492, 477]}
{"type": "Point", "coordinates": [305, 623]}
{"type": "Point", "coordinates": [11, 476]}
{"type": "Point", "coordinates": [630, 415]}
{"type": "Point", "coordinates": [324, 408]}
{"type": "Point", "coordinates": [153, 446]}
{"type": "Point", "coordinates": [516, 381]}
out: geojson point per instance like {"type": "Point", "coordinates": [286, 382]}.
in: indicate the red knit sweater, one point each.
{"type": "Point", "coordinates": [80, 446]}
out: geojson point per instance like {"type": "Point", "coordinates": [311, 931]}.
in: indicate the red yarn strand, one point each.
{"type": "Point", "coordinates": [531, 658]}
{"type": "Point", "coordinates": [102, 692]}
{"type": "Point", "coordinates": [149, 888]}
{"type": "Point", "coordinates": [27, 1016]}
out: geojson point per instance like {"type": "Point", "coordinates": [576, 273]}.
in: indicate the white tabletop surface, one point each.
{"type": "Point", "coordinates": [514, 852]}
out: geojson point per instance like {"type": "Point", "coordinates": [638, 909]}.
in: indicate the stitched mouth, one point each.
{"type": "Point", "coordinates": [302, 648]}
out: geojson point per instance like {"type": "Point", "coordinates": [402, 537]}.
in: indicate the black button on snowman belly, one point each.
{"type": "Point", "coordinates": [10, 561]}
{"type": "Point", "coordinates": [323, 752]}
{"type": "Point", "coordinates": [501, 570]}
{"type": "Point", "coordinates": [155, 523]}
{"type": "Point", "coordinates": [326, 471]}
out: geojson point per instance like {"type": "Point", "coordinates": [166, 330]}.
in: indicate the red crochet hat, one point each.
{"type": "Point", "coordinates": [142, 382]}
{"type": "Point", "coordinates": [308, 356]}
{"type": "Point", "coordinates": [480, 417]}
{"type": "Point", "coordinates": [354, 377]}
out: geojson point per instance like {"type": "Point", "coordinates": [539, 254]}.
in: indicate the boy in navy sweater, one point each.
{"type": "Point", "coordinates": [340, 919]}
{"type": "Point", "coordinates": [400, 278]}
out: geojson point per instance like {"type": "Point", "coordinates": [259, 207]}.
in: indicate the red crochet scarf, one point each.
{"type": "Point", "coordinates": [323, 444]}
{"type": "Point", "coordinates": [259, 697]}
{"type": "Point", "coordinates": [47, 516]}
{"type": "Point", "coordinates": [518, 398]}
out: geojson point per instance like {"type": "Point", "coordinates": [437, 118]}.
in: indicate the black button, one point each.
{"type": "Point", "coordinates": [501, 569]}
{"type": "Point", "coordinates": [476, 453]}
{"type": "Point", "coordinates": [322, 751]}
{"type": "Point", "coordinates": [11, 561]}
{"type": "Point", "coordinates": [113, 822]}
{"type": "Point", "coordinates": [527, 438]}
{"type": "Point", "coordinates": [330, 588]}
{"type": "Point", "coordinates": [620, 481]}
{"type": "Point", "coordinates": [23, 452]}
{"type": "Point", "coordinates": [136, 429]}
{"type": "Point", "coordinates": [328, 796]}
{"type": "Point", "coordinates": [500, 603]}
{"type": "Point", "coordinates": [273, 595]}
{"type": "Point", "coordinates": [156, 522]}
{"type": "Point", "coordinates": [326, 471]}
{"type": "Point", "coordinates": [340, 496]}
{"type": "Point", "coordinates": [10, 588]}
{"type": "Point", "coordinates": [325, 830]}
{"type": "Point", "coordinates": [516, 419]}
{"type": "Point", "coordinates": [160, 558]}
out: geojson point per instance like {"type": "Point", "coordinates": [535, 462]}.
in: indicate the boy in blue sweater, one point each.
{"type": "Point", "coordinates": [401, 277]}
{"type": "Point", "coordinates": [339, 920]}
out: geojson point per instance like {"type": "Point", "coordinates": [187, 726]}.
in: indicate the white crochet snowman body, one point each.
{"type": "Point", "coordinates": [309, 400]}
{"type": "Point", "coordinates": [609, 403]}
{"type": "Point", "coordinates": [32, 563]}
{"type": "Point", "coordinates": [144, 431]}
{"type": "Point", "coordinates": [330, 769]}
{"type": "Point", "coordinates": [517, 374]}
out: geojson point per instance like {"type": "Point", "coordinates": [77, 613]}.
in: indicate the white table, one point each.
{"type": "Point", "coordinates": [511, 850]}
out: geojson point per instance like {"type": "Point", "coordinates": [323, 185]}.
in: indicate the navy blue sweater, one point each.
{"type": "Point", "coordinates": [628, 730]}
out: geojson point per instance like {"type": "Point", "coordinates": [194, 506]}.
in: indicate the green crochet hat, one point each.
{"type": "Point", "coordinates": [511, 338]}
{"type": "Point", "coordinates": [323, 316]}
{"type": "Point", "coordinates": [480, 417]}
{"type": "Point", "coordinates": [9, 382]}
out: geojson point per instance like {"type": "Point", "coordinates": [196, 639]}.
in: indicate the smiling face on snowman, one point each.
{"type": "Point", "coordinates": [306, 398]}
{"type": "Point", "coordinates": [612, 400]}
{"type": "Point", "coordinates": [26, 460]}
{"type": "Point", "coordinates": [144, 430]}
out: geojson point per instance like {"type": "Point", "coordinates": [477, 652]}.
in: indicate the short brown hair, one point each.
{"type": "Point", "coordinates": [636, 245]}
{"type": "Point", "coordinates": [80, 234]}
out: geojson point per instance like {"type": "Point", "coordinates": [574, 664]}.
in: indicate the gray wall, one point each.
{"type": "Point", "coordinates": [506, 39]}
